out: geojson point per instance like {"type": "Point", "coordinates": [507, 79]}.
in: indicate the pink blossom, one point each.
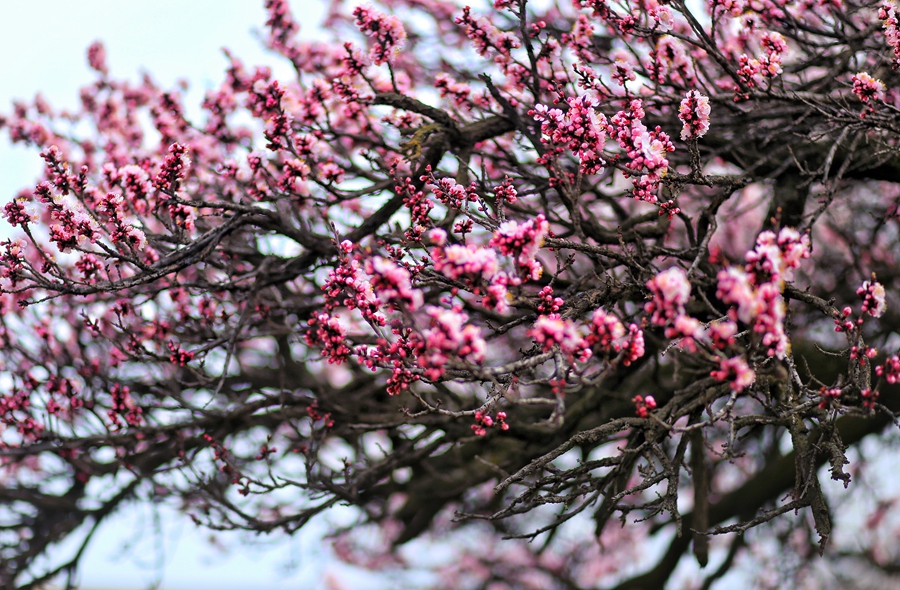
{"type": "Point", "coordinates": [448, 87]}
{"type": "Point", "coordinates": [734, 287]}
{"type": "Point", "coordinates": [775, 257]}
{"type": "Point", "coordinates": [468, 262]}
{"type": "Point", "coordinates": [736, 371]}
{"type": "Point", "coordinates": [867, 88]}
{"type": "Point", "coordinates": [873, 295]}
{"type": "Point", "coordinates": [694, 113]}
{"type": "Point", "coordinates": [97, 57]}
{"type": "Point", "coordinates": [523, 242]}
{"type": "Point", "coordinates": [888, 15]}
{"type": "Point", "coordinates": [580, 129]}
{"type": "Point", "coordinates": [486, 36]}
{"type": "Point", "coordinates": [671, 291]}
{"type": "Point", "coordinates": [391, 283]}
{"type": "Point", "coordinates": [449, 337]}
{"type": "Point", "coordinates": [607, 331]}
{"type": "Point", "coordinates": [633, 349]}
{"type": "Point", "coordinates": [552, 330]}
{"type": "Point", "coordinates": [722, 334]}
{"type": "Point", "coordinates": [385, 30]}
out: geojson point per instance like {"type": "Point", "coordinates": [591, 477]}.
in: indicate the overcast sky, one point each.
{"type": "Point", "coordinates": [43, 45]}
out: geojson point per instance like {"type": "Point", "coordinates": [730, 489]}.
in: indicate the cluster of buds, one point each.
{"type": "Point", "coordinates": [316, 415]}
{"type": "Point", "coordinates": [123, 405]}
{"type": "Point", "coordinates": [391, 283]}
{"type": "Point", "coordinates": [863, 354]}
{"type": "Point", "coordinates": [644, 404]}
{"type": "Point", "coordinates": [828, 395]}
{"type": "Point", "coordinates": [670, 292]}
{"type": "Point", "coordinates": [451, 193]}
{"type": "Point", "coordinates": [484, 421]}
{"type": "Point", "coordinates": [548, 303]}
{"type": "Point", "coordinates": [450, 336]}
{"type": "Point", "coordinates": [890, 370]}
{"type": "Point", "coordinates": [869, 398]}
{"type": "Point", "coordinates": [580, 128]}
{"type": "Point", "coordinates": [843, 322]}
{"type": "Point", "coordinates": [178, 355]}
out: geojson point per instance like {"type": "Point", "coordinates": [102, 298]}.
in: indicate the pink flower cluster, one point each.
{"type": "Point", "coordinates": [282, 26]}
{"type": "Point", "coordinates": [135, 182]}
{"type": "Point", "coordinates": [294, 174]}
{"type": "Point", "coordinates": [661, 13]}
{"type": "Point", "coordinates": [391, 283]}
{"type": "Point", "coordinates": [644, 405]}
{"type": "Point", "coordinates": [123, 405]}
{"type": "Point", "coordinates": [344, 287]}
{"type": "Point", "coordinates": [97, 57]}
{"type": "Point", "coordinates": [775, 257]}
{"type": "Point", "coordinates": [522, 241]}
{"type": "Point", "coordinates": [548, 303]}
{"type": "Point", "coordinates": [873, 298]}
{"type": "Point", "coordinates": [473, 266]}
{"type": "Point", "coordinates": [645, 149]}
{"type": "Point", "coordinates": [694, 113]}
{"type": "Point", "coordinates": [670, 63]}
{"type": "Point", "coordinates": [580, 129]}
{"type": "Point", "coordinates": [458, 91]}
{"type": "Point", "coordinates": [552, 330]}
{"type": "Point", "coordinates": [869, 398]}
{"type": "Point", "coordinates": [395, 355]}
{"type": "Point", "coordinates": [385, 30]}
{"type": "Point", "coordinates": [622, 68]}
{"type": "Point", "coordinates": [15, 213]}
{"type": "Point", "coordinates": [484, 421]}
{"type": "Point", "coordinates": [173, 171]}
{"type": "Point", "coordinates": [756, 290]}
{"type": "Point", "coordinates": [466, 263]}
{"type": "Point", "coordinates": [624, 23]}
{"type": "Point", "coordinates": [581, 39]}
{"type": "Point", "coordinates": [889, 22]}
{"type": "Point", "coordinates": [609, 338]}
{"type": "Point", "coordinates": [506, 192]}
{"type": "Point", "coordinates": [179, 356]}
{"type": "Point", "coordinates": [867, 88]}
{"type": "Point", "coordinates": [449, 338]}
{"type": "Point", "coordinates": [485, 36]}
{"type": "Point", "coordinates": [451, 193]}
{"type": "Point", "coordinates": [828, 395]}
{"type": "Point", "coordinates": [670, 292]}
{"type": "Point", "coordinates": [736, 371]}
{"type": "Point", "coordinates": [326, 333]}
{"type": "Point", "coordinates": [753, 70]}
{"type": "Point", "coordinates": [890, 370]}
